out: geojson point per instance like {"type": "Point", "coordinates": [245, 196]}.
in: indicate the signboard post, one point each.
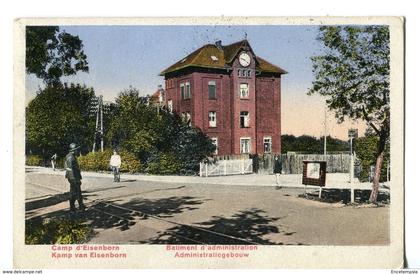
{"type": "Point", "coordinates": [352, 133]}
{"type": "Point", "coordinates": [351, 179]}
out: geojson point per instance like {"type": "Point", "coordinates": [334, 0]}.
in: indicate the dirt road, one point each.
{"type": "Point", "coordinates": [257, 214]}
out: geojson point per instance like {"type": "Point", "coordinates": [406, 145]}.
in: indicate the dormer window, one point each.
{"type": "Point", "coordinates": [214, 58]}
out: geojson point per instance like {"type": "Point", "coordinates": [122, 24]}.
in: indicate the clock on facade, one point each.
{"type": "Point", "coordinates": [244, 59]}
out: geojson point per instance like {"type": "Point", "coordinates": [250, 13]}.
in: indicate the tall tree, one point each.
{"type": "Point", "coordinates": [156, 137]}
{"type": "Point", "coordinates": [51, 54]}
{"type": "Point", "coordinates": [57, 116]}
{"type": "Point", "coordinates": [353, 73]}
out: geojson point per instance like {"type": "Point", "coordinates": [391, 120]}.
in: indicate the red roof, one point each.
{"type": "Point", "coordinates": [210, 56]}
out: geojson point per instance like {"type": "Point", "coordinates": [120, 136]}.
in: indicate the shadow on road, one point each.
{"type": "Point", "coordinates": [105, 215]}
{"type": "Point", "coordinates": [165, 207]}
{"type": "Point", "coordinates": [251, 225]}
{"type": "Point", "coordinates": [45, 202]}
{"type": "Point", "coordinates": [343, 195]}
{"type": "Point", "coordinates": [101, 189]}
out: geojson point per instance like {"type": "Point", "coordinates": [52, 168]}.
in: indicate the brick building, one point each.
{"type": "Point", "coordinates": [231, 94]}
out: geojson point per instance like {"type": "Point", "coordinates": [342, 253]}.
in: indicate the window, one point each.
{"type": "Point", "coordinates": [212, 119]}
{"type": "Point", "coordinates": [244, 72]}
{"type": "Point", "coordinates": [244, 90]}
{"type": "Point", "coordinates": [182, 87]}
{"type": "Point", "coordinates": [212, 89]}
{"type": "Point", "coordinates": [170, 106]}
{"type": "Point", "coordinates": [244, 119]}
{"type": "Point", "coordinates": [214, 58]}
{"type": "Point", "coordinates": [185, 90]}
{"type": "Point", "coordinates": [245, 145]}
{"type": "Point", "coordinates": [214, 141]}
{"type": "Point", "coordinates": [267, 144]}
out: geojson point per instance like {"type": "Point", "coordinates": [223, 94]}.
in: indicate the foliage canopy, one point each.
{"type": "Point", "coordinates": [353, 73]}
{"type": "Point", "coordinates": [51, 54]}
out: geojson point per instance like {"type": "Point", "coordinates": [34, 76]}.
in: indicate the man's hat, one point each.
{"type": "Point", "coordinates": [73, 147]}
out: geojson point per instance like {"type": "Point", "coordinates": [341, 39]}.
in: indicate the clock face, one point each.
{"type": "Point", "coordinates": [244, 59]}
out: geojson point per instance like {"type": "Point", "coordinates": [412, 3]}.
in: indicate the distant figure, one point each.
{"type": "Point", "coordinates": [53, 159]}
{"type": "Point", "coordinates": [115, 164]}
{"type": "Point", "coordinates": [74, 177]}
{"type": "Point", "coordinates": [277, 170]}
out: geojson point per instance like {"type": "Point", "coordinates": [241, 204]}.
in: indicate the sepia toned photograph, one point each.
{"type": "Point", "coordinates": [209, 140]}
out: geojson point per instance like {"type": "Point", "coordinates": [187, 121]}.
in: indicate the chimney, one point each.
{"type": "Point", "coordinates": [218, 44]}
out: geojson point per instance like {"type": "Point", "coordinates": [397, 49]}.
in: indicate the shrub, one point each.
{"type": "Point", "coordinates": [59, 162]}
{"type": "Point", "coordinates": [99, 161]}
{"type": "Point", "coordinates": [62, 231]}
{"type": "Point", "coordinates": [95, 161]}
{"type": "Point", "coordinates": [129, 162]}
{"type": "Point", "coordinates": [165, 164]}
{"type": "Point", "coordinates": [34, 160]}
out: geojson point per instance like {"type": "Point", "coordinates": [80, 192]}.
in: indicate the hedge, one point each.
{"type": "Point", "coordinates": [34, 160]}
{"type": "Point", "coordinates": [165, 163]}
{"type": "Point", "coordinates": [99, 161]}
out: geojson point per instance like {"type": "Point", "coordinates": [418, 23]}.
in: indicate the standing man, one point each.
{"type": "Point", "coordinates": [53, 158]}
{"type": "Point", "coordinates": [277, 170]}
{"type": "Point", "coordinates": [74, 177]}
{"type": "Point", "coordinates": [115, 164]}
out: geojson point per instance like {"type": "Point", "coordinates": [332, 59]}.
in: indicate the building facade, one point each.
{"type": "Point", "coordinates": [230, 93]}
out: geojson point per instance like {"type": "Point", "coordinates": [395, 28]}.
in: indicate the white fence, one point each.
{"type": "Point", "coordinates": [226, 167]}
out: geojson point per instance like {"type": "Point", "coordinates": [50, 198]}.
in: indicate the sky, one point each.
{"type": "Point", "coordinates": [123, 56]}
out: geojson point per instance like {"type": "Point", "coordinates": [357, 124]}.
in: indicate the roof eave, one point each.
{"type": "Point", "coordinates": [163, 73]}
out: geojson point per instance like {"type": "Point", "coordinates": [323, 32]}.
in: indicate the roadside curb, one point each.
{"type": "Point", "coordinates": [334, 180]}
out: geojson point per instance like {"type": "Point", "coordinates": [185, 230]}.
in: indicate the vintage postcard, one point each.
{"type": "Point", "coordinates": [213, 142]}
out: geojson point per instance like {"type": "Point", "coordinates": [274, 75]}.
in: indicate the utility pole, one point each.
{"type": "Point", "coordinates": [102, 123]}
{"type": "Point", "coordinates": [99, 125]}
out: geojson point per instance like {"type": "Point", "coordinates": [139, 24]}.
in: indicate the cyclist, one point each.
{"type": "Point", "coordinates": [115, 164]}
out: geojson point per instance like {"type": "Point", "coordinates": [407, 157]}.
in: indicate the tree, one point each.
{"type": "Point", "coordinates": [191, 146]}
{"type": "Point", "coordinates": [365, 148]}
{"type": "Point", "coordinates": [134, 126]}
{"type": "Point", "coordinates": [311, 145]}
{"type": "Point", "coordinates": [57, 116]}
{"type": "Point", "coordinates": [51, 54]}
{"type": "Point", "coordinates": [353, 73]}
{"type": "Point", "coordinates": [157, 138]}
